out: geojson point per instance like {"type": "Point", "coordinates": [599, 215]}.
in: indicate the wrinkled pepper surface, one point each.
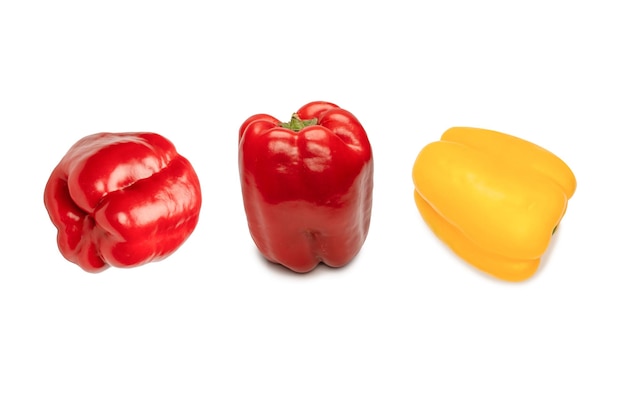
{"type": "Point", "coordinates": [493, 198]}
{"type": "Point", "coordinates": [307, 186]}
{"type": "Point", "coordinates": [122, 199]}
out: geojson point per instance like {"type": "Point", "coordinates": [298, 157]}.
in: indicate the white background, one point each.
{"type": "Point", "coordinates": [407, 328]}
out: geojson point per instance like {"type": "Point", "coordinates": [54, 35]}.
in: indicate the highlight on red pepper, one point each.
{"type": "Point", "coordinates": [122, 199]}
{"type": "Point", "coordinates": [307, 185]}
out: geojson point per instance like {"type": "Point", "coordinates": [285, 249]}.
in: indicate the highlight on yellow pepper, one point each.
{"type": "Point", "coordinates": [493, 198]}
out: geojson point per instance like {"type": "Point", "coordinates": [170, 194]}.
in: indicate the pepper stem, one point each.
{"type": "Point", "coordinates": [297, 124]}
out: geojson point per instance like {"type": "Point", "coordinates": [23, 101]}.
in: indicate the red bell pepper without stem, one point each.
{"type": "Point", "coordinates": [122, 199]}
{"type": "Point", "coordinates": [307, 186]}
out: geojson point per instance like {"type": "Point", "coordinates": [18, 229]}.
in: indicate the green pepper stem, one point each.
{"type": "Point", "coordinates": [296, 124]}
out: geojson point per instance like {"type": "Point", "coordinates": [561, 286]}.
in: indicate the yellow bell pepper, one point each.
{"type": "Point", "coordinates": [494, 199]}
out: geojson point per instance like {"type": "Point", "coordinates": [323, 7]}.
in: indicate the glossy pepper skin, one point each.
{"type": "Point", "coordinates": [122, 199]}
{"type": "Point", "coordinates": [307, 186]}
{"type": "Point", "coordinates": [493, 198]}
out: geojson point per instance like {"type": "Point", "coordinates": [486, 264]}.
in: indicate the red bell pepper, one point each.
{"type": "Point", "coordinates": [307, 186]}
{"type": "Point", "coordinates": [122, 199]}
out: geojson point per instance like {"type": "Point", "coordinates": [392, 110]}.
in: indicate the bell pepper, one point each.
{"type": "Point", "coordinates": [307, 186]}
{"type": "Point", "coordinates": [493, 198]}
{"type": "Point", "coordinates": [122, 199]}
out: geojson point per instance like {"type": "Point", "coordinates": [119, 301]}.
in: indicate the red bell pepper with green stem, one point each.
{"type": "Point", "coordinates": [122, 199]}
{"type": "Point", "coordinates": [307, 186]}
